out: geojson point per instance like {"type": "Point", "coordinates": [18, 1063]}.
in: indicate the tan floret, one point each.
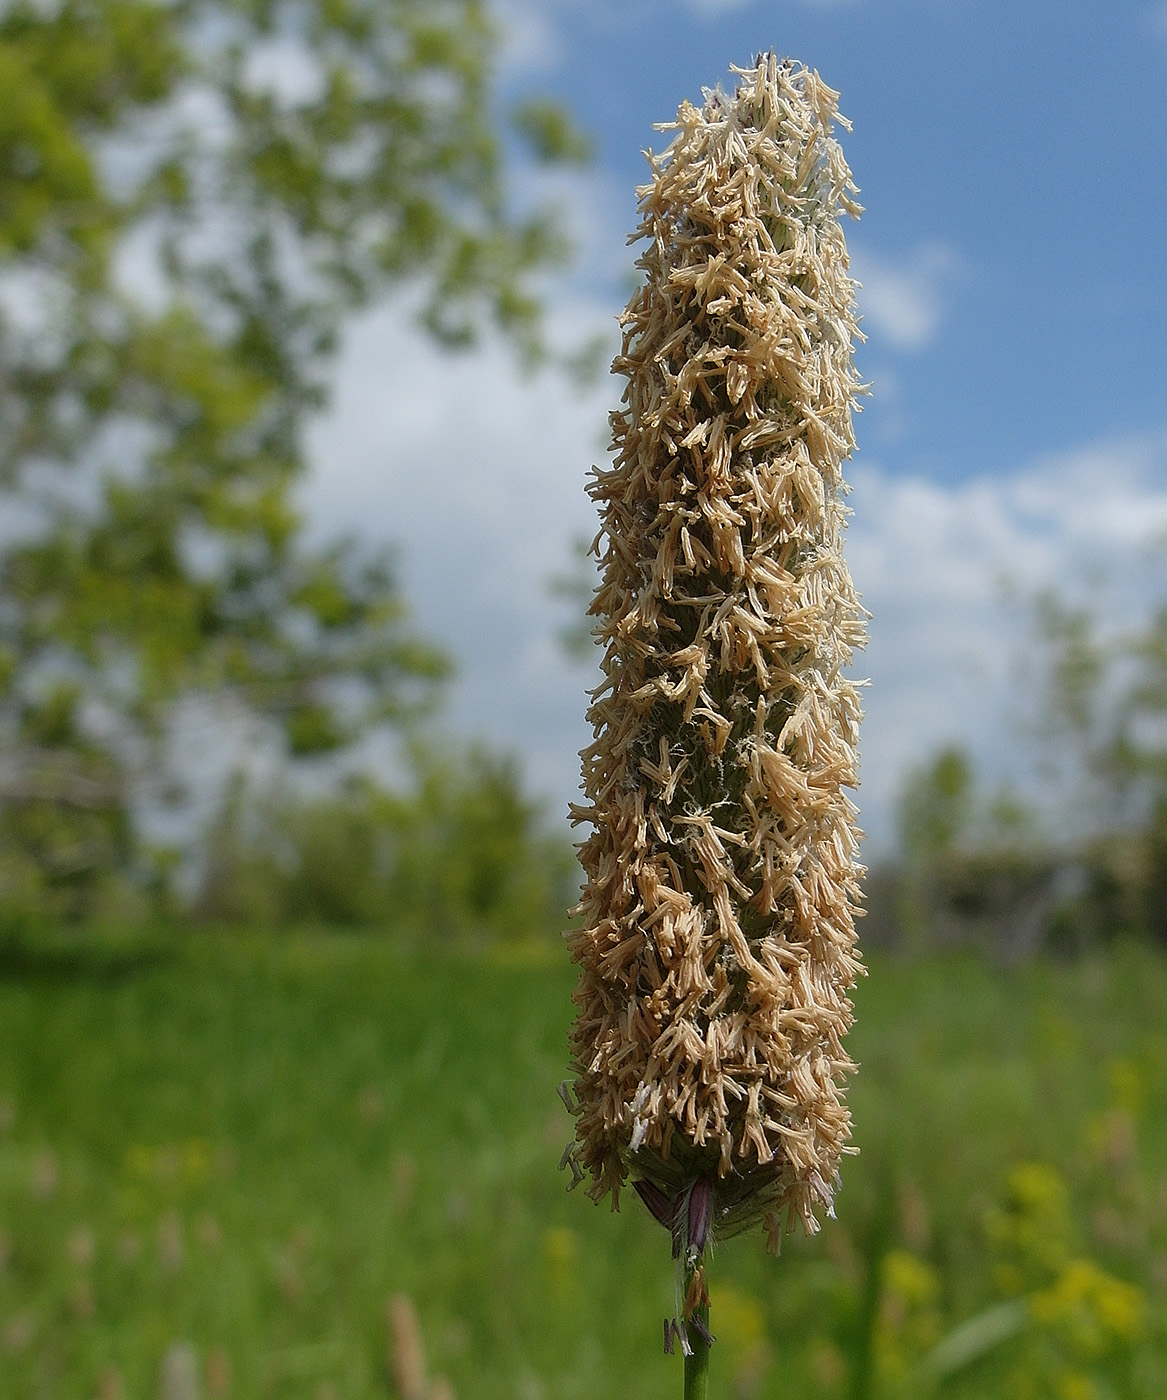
{"type": "Point", "coordinates": [717, 945]}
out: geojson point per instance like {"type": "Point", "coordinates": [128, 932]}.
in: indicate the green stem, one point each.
{"type": "Point", "coordinates": [697, 1365]}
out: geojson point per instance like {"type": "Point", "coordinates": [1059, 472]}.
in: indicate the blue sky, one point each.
{"type": "Point", "coordinates": [1013, 161]}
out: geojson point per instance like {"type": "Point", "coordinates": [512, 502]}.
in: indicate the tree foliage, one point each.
{"type": "Point", "coordinates": [1078, 854]}
{"type": "Point", "coordinates": [461, 853]}
{"type": "Point", "coordinates": [1102, 729]}
{"type": "Point", "coordinates": [194, 194]}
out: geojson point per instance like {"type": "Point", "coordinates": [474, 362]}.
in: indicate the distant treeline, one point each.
{"type": "Point", "coordinates": [462, 853]}
{"type": "Point", "coordinates": [458, 850]}
{"type": "Point", "coordinates": [1074, 854]}
{"type": "Point", "coordinates": [1069, 856]}
{"type": "Point", "coordinates": [1017, 898]}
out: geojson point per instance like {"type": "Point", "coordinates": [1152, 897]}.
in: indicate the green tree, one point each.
{"type": "Point", "coordinates": [1101, 723]}
{"type": "Point", "coordinates": [194, 194]}
{"type": "Point", "coordinates": [936, 808]}
{"type": "Point", "coordinates": [974, 865]}
{"type": "Point", "coordinates": [1084, 858]}
{"type": "Point", "coordinates": [462, 852]}
{"type": "Point", "coordinates": [1102, 710]}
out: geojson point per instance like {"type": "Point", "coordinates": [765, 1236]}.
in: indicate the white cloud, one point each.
{"type": "Point", "coordinates": [595, 211]}
{"type": "Point", "coordinates": [531, 43]}
{"type": "Point", "coordinates": [479, 476]}
{"type": "Point", "coordinates": [903, 302]}
{"type": "Point", "coordinates": [931, 561]}
{"type": "Point", "coordinates": [285, 68]}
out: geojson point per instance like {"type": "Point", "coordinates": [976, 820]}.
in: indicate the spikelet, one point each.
{"type": "Point", "coordinates": [717, 946]}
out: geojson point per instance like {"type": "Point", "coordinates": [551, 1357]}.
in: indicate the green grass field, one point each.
{"type": "Point", "coordinates": [248, 1146]}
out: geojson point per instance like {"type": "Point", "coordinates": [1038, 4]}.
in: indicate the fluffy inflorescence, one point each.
{"type": "Point", "coordinates": [717, 943]}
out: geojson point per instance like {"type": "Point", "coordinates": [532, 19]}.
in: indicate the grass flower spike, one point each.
{"type": "Point", "coordinates": [717, 945]}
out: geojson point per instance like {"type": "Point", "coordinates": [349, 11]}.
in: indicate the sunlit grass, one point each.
{"type": "Point", "coordinates": [248, 1146]}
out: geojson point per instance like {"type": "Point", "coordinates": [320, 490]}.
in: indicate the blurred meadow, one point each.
{"type": "Point", "coordinates": [240, 1149]}
{"type": "Point", "coordinates": [301, 310]}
